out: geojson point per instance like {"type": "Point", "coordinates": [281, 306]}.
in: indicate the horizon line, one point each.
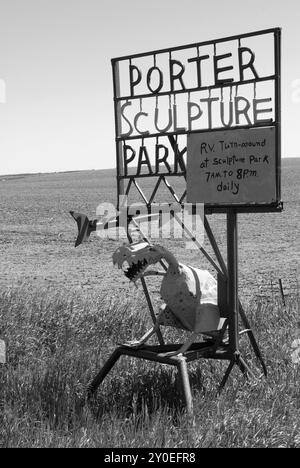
{"type": "Point", "coordinates": [86, 170]}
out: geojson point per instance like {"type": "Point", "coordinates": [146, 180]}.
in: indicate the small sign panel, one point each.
{"type": "Point", "coordinates": [232, 167]}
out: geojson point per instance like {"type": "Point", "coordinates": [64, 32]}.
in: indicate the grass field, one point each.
{"type": "Point", "coordinates": [62, 311]}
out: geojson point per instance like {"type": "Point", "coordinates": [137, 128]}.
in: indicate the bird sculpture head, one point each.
{"type": "Point", "coordinates": [135, 258]}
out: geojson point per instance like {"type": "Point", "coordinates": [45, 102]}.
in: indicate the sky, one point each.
{"type": "Point", "coordinates": [56, 92]}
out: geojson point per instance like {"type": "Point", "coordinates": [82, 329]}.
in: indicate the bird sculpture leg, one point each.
{"type": "Point", "coordinates": [149, 333]}
{"type": "Point", "coordinates": [204, 323]}
{"type": "Point", "coordinates": [165, 317]}
{"type": "Point", "coordinates": [184, 347]}
{"type": "Point", "coordinates": [141, 341]}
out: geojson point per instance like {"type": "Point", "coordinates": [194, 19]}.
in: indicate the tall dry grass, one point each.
{"type": "Point", "coordinates": [57, 341]}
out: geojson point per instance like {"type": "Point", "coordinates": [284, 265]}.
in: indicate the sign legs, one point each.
{"type": "Point", "coordinates": [153, 355]}
{"type": "Point", "coordinates": [232, 260]}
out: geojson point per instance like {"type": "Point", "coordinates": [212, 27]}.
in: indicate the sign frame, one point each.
{"type": "Point", "coordinates": [123, 177]}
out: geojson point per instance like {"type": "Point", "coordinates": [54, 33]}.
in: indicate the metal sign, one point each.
{"type": "Point", "coordinates": [232, 167]}
{"type": "Point", "coordinates": [164, 97]}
